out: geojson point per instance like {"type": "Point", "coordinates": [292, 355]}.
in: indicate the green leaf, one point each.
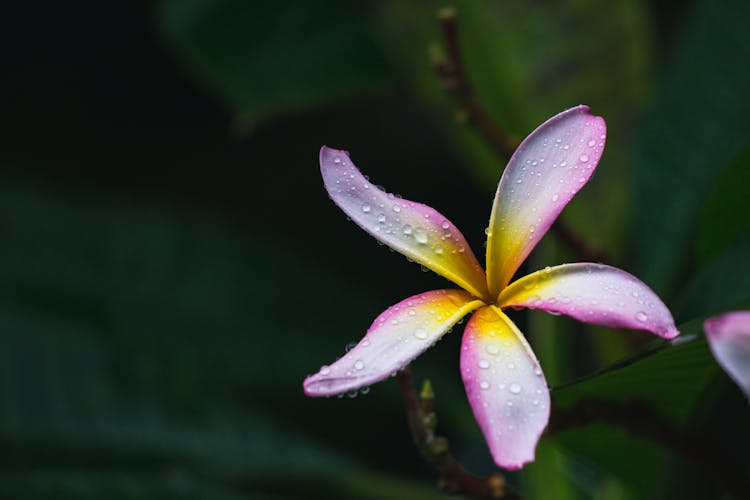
{"type": "Point", "coordinates": [725, 215]}
{"type": "Point", "coordinates": [139, 343]}
{"type": "Point", "coordinates": [263, 59]}
{"type": "Point", "coordinates": [696, 127]}
{"type": "Point", "coordinates": [718, 285]}
{"type": "Point", "coordinates": [682, 383]}
{"type": "Point", "coordinates": [670, 376]}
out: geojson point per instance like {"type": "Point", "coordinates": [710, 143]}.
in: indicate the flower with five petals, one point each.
{"type": "Point", "coordinates": [503, 380]}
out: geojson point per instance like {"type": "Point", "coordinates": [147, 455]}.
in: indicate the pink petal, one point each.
{"type": "Point", "coordinates": [729, 338]}
{"type": "Point", "coordinates": [505, 386]}
{"type": "Point", "coordinates": [397, 336]}
{"type": "Point", "coordinates": [592, 293]}
{"type": "Point", "coordinates": [546, 171]}
{"type": "Point", "coordinates": [415, 230]}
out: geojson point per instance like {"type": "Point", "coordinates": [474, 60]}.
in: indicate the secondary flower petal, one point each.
{"type": "Point", "coordinates": [592, 293]}
{"type": "Point", "coordinates": [729, 338]}
{"type": "Point", "coordinates": [545, 172]}
{"type": "Point", "coordinates": [414, 229]}
{"type": "Point", "coordinates": [397, 336]}
{"type": "Point", "coordinates": [505, 386]}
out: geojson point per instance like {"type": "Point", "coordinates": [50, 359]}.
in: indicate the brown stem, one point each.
{"type": "Point", "coordinates": [451, 70]}
{"type": "Point", "coordinates": [698, 446]}
{"type": "Point", "coordinates": [454, 478]}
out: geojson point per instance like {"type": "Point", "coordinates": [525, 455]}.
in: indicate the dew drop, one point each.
{"type": "Point", "coordinates": [592, 143]}
{"type": "Point", "coordinates": [438, 249]}
{"type": "Point", "coordinates": [515, 388]}
{"type": "Point", "coordinates": [337, 160]}
{"type": "Point", "coordinates": [325, 370]}
{"type": "Point", "coordinates": [555, 197]}
{"type": "Point", "coordinates": [483, 363]}
{"type": "Point", "coordinates": [420, 235]}
{"type": "Point", "coordinates": [407, 229]}
{"type": "Point", "coordinates": [359, 364]}
{"type": "Point", "coordinates": [484, 385]}
{"type": "Point", "coordinates": [420, 333]}
{"type": "Point", "coordinates": [366, 208]}
{"type": "Point", "coordinates": [381, 218]}
{"type": "Point", "coordinates": [492, 349]}
{"type": "Point", "coordinates": [396, 208]}
{"type": "Point", "coordinates": [445, 225]}
{"type": "Point", "coordinates": [641, 316]}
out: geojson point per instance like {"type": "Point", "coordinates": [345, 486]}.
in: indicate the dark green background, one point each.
{"type": "Point", "coordinates": [171, 267]}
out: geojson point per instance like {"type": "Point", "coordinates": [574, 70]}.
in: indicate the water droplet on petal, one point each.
{"type": "Point", "coordinates": [641, 316]}
{"type": "Point", "coordinates": [325, 370]}
{"type": "Point", "coordinates": [420, 235]}
{"type": "Point", "coordinates": [381, 218]}
{"type": "Point", "coordinates": [592, 143]}
{"type": "Point", "coordinates": [420, 333]}
{"type": "Point", "coordinates": [492, 349]}
{"type": "Point", "coordinates": [359, 364]}
{"type": "Point", "coordinates": [483, 363]}
{"type": "Point", "coordinates": [515, 388]}
{"type": "Point", "coordinates": [484, 385]}
{"type": "Point", "coordinates": [445, 225]}
{"type": "Point", "coordinates": [438, 249]}
{"type": "Point", "coordinates": [407, 229]}
{"type": "Point", "coordinates": [366, 208]}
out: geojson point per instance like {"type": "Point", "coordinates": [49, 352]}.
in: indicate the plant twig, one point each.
{"type": "Point", "coordinates": [454, 478]}
{"type": "Point", "coordinates": [451, 70]}
{"type": "Point", "coordinates": [639, 419]}
{"type": "Point", "coordinates": [452, 73]}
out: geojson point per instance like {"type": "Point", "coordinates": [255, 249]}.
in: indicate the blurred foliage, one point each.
{"type": "Point", "coordinates": [166, 283]}
{"type": "Point", "coordinates": [267, 58]}
{"type": "Point", "coordinates": [696, 127]}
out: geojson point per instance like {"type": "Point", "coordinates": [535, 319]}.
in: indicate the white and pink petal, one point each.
{"type": "Point", "coordinates": [413, 229]}
{"type": "Point", "coordinates": [400, 334]}
{"type": "Point", "coordinates": [729, 339]}
{"type": "Point", "coordinates": [593, 293]}
{"type": "Point", "coordinates": [549, 167]}
{"type": "Point", "coordinates": [505, 386]}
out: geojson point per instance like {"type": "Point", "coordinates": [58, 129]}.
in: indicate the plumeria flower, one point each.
{"type": "Point", "coordinates": [504, 382]}
{"type": "Point", "coordinates": [729, 339]}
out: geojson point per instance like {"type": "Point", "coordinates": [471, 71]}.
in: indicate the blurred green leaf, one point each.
{"type": "Point", "coordinates": [725, 217]}
{"type": "Point", "coordinates": [263, 59]}
{"type": "Point", "coordinates": [698, 124]}
{"type": "Point", "coordinates": [718, 285]}
{"type": "Point", "coordinates": [144, 341]}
